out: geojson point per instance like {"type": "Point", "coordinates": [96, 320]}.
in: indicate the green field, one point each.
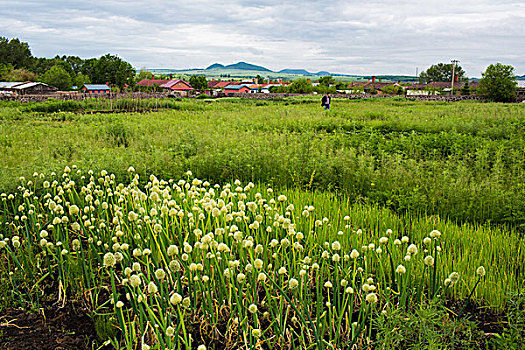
{"type": "Point", "coordinates": [463, 161]}
{"type": "Point", "coordinates": [296, 228]}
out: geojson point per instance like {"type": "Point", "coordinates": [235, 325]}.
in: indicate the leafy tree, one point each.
{"type": "Point", "coordinates": [81, 79]}
{"type": "Point", "coordinates": [58, 77]}
{"type": "Point", "coordinates": [20, 75]}
{"type": "Point", "coordinates": [15, 52]}
{"type": "Point", "coordinates": [441, 72]}
{"type": "Point", "coordinates": [41, 65]}
{"type": "Point", "coordinates": [198, 82]}
{"type": "Point", "coordinates": [498, 83]}
{"type": "Point", "coordinates": [278, 89]}
{"type": "Point", "coordinates": [327, 80]}
{"type": "Point", "coordinates": [260, 80]}
{"type": "Point", "coordinates": [143, 74]}
{"type": "Point", "coordinates": [88, 68]}
{"type": "Point", "coordinates": [74, 62]}
{"type": "Point", "coordinates": [340, 86]}
{"type": "Point", "coordinates": [324, 89]}
{"type": "Point", "coordinates": [113, 70]}
{"type": "Point", "coordinates": [67, 67]}
{"type": "Point", "coordinates": [5, 69]}
{"type": "Point", "coordinates": [300, 86]}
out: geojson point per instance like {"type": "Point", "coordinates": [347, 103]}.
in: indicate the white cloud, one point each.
{"type": "Point", "coordinates": [378, 37]}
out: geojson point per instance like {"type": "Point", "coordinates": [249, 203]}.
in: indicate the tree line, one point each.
{"type": "Point", "coordinates": [17, 63]}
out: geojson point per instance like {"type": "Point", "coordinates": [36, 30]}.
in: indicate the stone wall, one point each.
{"type": "Point", "coordinates": [262, 96]}
{"type": "Point", "coordinates": [258, 96]}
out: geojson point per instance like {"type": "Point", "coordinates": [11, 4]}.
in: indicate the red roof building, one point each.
{"type": "Point", "coordinates": [151, 82]}
{"type": "Point", "coordinates": [237, 89]}
{"type": "Point", "coordinates": [177, 86]}
{"type": "Point", "coordinates": [217, 84]}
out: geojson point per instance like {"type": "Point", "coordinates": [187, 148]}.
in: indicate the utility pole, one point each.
{"type": "Point", "coordinates": [453, 74]}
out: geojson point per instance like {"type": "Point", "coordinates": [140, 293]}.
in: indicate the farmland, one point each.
{"type": "Point", "coordinates": [269, 224]}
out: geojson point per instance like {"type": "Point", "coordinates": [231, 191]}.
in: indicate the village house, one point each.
{"type": "Point", "coordinates": [178, 87]}
{"type": "Point", "coordinates": [26, 88]}
{"type": "Point", "coordinates": [437, 87]}
{"type": "Point", "coordinates": [237, 89]}
{"type": "Point", "coordinates": [96, 89]}
{"type": "Point", "coordinates": [151, 83]}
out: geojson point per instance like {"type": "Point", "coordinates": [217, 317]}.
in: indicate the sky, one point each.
{"type": "Point", "coordinates": [351, 37]}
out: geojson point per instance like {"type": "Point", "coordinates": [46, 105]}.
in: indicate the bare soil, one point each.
{"type": "Point", "coordinates": [53, 328]}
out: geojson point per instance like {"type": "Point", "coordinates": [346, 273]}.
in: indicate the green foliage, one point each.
{"type": "Point", "coordinates": [498, 83]}
{"type": "Point", "coordinates": [278, 89]}
{"type": "Point", "coordinates": [198, 82]}
{"type": "Point", "coordinates": [53, 106]}
{"type": "Point", "coordinates": [300, 86]}
{"type": "Point", "coordinates": [465, 89]}
{"type": "Point", "coordinates": [81, 80]}
{"type": "Point", "coordinates": [110, 69]}
{"type": "Point", "coordinates": [106, 327]}
{"type": "Point", "coordinates": [4, 70]}
{"type": "Point", "coordinates": [393, 90]}
{"type": "Point", "coordinates": [324, 89]}
{"type": "Point", "coordinates": [19, 75]}
{"type": "Point", "coordinates": [15, 53]}
{"type": "Point", "coordinates": [429, 326]}
{"type": "Point", "coordinates": [471, 151]}
{"type": "Point", "coordinates": [58, 77]}
{"type": "Point", "coordinates": [514, 333]}
{"type": "Point", "coordinates": [118, 134]}
{"type": "Point", "coordinates": [441, 72]}
{"type": "Point", "coordinates": [5, 292]}
{"type": "Point", "coordinates": [327, 80]}
{"type": "Point", "coordinates": [143, 74]}
{"type": "Point", "coordinates": [41, 65]}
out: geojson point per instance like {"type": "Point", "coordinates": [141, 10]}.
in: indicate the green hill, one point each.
{"type": "Point", "coordinates": [246, 66]}
{"type": "Point", "coordinates": [215, 66]}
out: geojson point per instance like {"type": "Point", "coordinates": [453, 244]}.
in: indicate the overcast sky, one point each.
{"type": "Point", "coordinates": [365, 37]}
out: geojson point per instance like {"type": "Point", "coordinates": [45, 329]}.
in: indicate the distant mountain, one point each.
{"type": "Point", "coordinates": [295, 71]}
{"type": "Point", "coordinates": [246, 66]}
{"type": "Point", "coordinates": [215, 66]}
{"type": "Point", "coordinates": [302, 72]}
{"type": "Point", "coordinates": [521, 77]}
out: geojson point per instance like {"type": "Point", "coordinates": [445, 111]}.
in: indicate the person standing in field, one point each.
{"type": "Point", "coordinates": [325, 101]}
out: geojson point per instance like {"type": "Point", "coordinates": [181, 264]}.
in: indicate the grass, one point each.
{"type": "Point", "coordinates": [463, 161]}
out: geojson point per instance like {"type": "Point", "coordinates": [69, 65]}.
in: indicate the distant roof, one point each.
{"type": "Point", "coordinates": [11, 84]}
{"type": "Point", "coordinates": [170, 85]}
{"type": "Point", "coordinates": [97, 87]}
{"type": "Point", "coordinates": [236, 87]}
{"type": "Point", "coordinates": [151, 82]}
{"type": "Point", "coordinates": [28, 85]}
{"type": "Point", "coordinates": [223, 84]}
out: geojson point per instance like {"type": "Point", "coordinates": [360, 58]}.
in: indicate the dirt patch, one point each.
{"type": "Point", "coordinates": [486, 319]}
{"type": "Point", "coordinates": [53, 328]}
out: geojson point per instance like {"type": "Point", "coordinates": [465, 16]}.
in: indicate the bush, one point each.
{"type": "Point", "coordinates": [498, 83]}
